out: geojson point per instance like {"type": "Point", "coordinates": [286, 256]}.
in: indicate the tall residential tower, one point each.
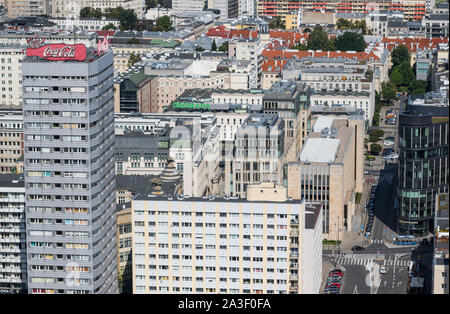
{"type": "Point", "coordinates": [69, 176]}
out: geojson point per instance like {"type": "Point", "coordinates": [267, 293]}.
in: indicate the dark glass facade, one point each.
{"type": "Point", "coordinates": [423, 170]}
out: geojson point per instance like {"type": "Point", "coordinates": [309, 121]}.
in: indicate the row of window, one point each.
{"type": "Point", "coordinates": [59, 245]}
{"type": "Point", "coordinates": [48, 221]}
{"type": "Point", "coordinates": [207, 290]}
{"type": "Point", "coordinates": [213, 214]}
{"type": "Point", "coordinates": [212, 225]}
{"type": "Point", "coordinates": [212, 258]}
{"type": "Point", "coordinates": [164, 235]}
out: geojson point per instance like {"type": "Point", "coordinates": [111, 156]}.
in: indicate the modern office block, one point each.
{"type": "Point", "coordinates": [422, 166]}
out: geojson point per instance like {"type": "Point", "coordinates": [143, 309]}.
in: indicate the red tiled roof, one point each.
{"type": "Point", "coordinates": [413, 43]}
{"type": "Point", "coordinates": [106, 33]}
{"type": "Point", "coordinates": [292, 38]}
{"type": "Point", "coordinates": [221, 31]}
{"type": "Point", "coordinates": [276, 59]}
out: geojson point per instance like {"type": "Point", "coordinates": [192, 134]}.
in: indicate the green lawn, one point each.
{"type": "Point", "coordinates": [358, 198]}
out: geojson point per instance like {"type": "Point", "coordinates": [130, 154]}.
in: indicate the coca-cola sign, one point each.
{"type": "Point", "coordinates": [59, 52]}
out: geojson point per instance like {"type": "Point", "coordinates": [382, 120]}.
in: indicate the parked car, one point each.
{"type": "Point", "coordinates": [383, 270]}
{"type": "Point", "coordinates": [393, 156]}
{"type": "Point", "coordinates": [357, 248]}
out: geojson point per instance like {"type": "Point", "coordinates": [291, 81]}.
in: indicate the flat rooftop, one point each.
{"type": "Point", "coordinates": [144, 185]}
{"type": "Point", "coordinates": [143, 197]}
{"type": "Point", "coordinates": [323, 122]}
{"type": "Point", "coordinates": [320, 150]}
{"type": "Point", "coordinates": [12, 181]}
{"type": "Point", "coordinates": [201, 67]}
{"type": "Point", "coordinates": [312, 214]}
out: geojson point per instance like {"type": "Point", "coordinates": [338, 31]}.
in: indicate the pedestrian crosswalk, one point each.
{"type": "Point", "coordinates": [396, 263]}
{"type": "Point", "coordinates": [367, 261]}
{"type": "Point", "coordinates": [376, 241]}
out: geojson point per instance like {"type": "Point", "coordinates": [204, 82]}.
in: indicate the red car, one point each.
{"type": "Point", "coordinates": [336, 273]}
{"type": "Point", "coordinates": [336, 284]}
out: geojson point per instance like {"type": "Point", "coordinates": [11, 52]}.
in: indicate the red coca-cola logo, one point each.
{"type": "Point", "coordinates": [59, 52]}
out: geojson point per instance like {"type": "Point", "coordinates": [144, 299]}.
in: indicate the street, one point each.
{"type": "Point", "coordinates": [362, 269]}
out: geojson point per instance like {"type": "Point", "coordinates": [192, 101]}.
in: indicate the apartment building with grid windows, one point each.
{"type": "Point", "coordinates": [209, 245]}
{"type": "Point", "coordinates": [18, 8]}
{"type": "Point", "coordinates": [69, 178]}
{"type": "Point", "coordinates": [13, 270]}
{"type": "Point", "coordinates": [11, 140]}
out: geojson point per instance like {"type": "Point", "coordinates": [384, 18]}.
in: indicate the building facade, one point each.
{"type": "Point", "coordinates": [11, 140]}
{"type": "Point", "coordinates": [440, 260]}
{"type": "Point", "coordinates": [225, 246]}
{"type": "Point", "coordinates": [11, 57]}
{"type": "Point", "coordinates": [69, 177]}
{"type": "Point", "coordinates": [423, 166]}
{"type": "Point", "coordinates": [18, 8]}
{"type": "Point", "coordinates": [330, 170]}
{"type": "Point", "coordinates": [13, 258]}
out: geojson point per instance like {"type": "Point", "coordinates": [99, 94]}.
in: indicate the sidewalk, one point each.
{"type": "Point", "coordinates": [350, 239]}
{"type": "Point", "coordinates": [326, 268]}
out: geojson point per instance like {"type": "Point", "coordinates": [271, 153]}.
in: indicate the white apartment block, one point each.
{"type": "Point", "coordinates": [180, 6]}
{"type": "Point", "coordinates": [350, 100]}
{"type": "Point", "coordinates": [90, 25]}
{"type": "Point", "coordinates": [336, 83]}
{"type": "Point", "coordinates": [11, 75]}
{"type": "Point", "coordinates": [71, 8]}
{"type": "Point", "coordinates": [207, 245]}
{"type": "Point", "coordinates": [19, 38]}
{"type": "Point", "coordinates": [247, 8]}
{"type": "Point", "coordinates": [13, 271]}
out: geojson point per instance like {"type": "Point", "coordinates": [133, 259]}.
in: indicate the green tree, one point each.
{"type": "Point", "coordinates": [109, 26]}
{"type": "Point", "coordinates": [133, 59]}
{"type": "Point", "coordinates": [199, 48]}
{"type": "Point", "coordinates": [224, 47]}
{"type": "Point", "coordinates": [403, 74]}
{"type": "Point", "coordinates": [374, 135]}
{"type": "Point", "coordinates": [407, 73]}
{"type": "Point", "coordinates": [388, 91]}
{"type": "Point", "coordinates": [363, 26]}
{"type": "Point", "coordinates": [375, 148]}
{"type": "Point", "coordinates": [127, 18]}
{"type": "Point", "coordinates": [133, 41]}
{"type": "Point", "coordinates": [318, 40]}
{"type": "Point", "coordinates": [344, 24]}
{"type": "Point", "coordinates": [277, 23]}
{"type": "Point", "coordinates": [89, 12]}
{"type": "Point", "coordinates": [417, 87]}
{"type": "Point", "coordinates": [163, 24]}
{"type": "Point", "coordinates": [350, 41]}
{"type": "Point", "coordinates": [300, 47]}
{"type": "Point", "coordinates": [399, 55]}
{"type": "Point", "coordinates": [151, 3]}
{"type": "Point", "coordinates": [213, 45]}
{"type": "Point", "coordinates": [396, 77]}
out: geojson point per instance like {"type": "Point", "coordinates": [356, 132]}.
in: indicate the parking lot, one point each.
{"type": "Point", "coordinates": [369, 209]}
{"type": "Point", "coordinates": [334, 282]}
